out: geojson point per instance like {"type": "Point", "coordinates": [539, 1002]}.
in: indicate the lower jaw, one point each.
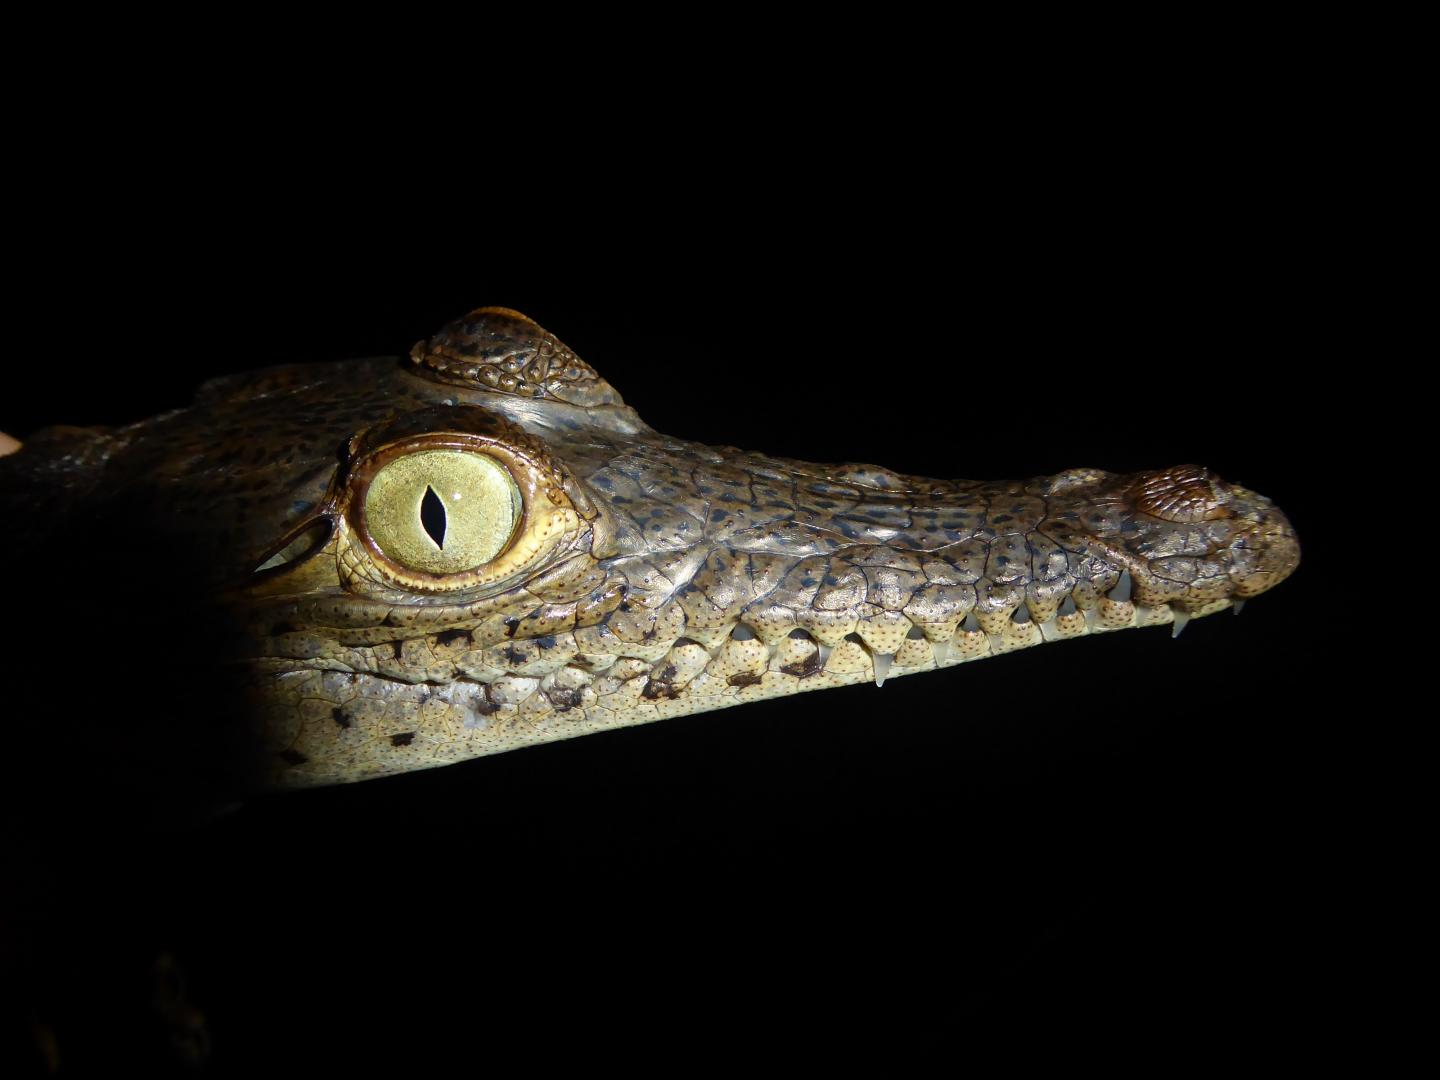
{"type": "Point", "coordinates": [338, 726]}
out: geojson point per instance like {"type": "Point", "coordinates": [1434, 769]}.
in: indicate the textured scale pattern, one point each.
{"type": "Point", "coordinates": [693, 578]}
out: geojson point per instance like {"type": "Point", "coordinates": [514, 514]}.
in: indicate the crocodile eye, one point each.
{"type": "Point", "coordinates": [442, 511]}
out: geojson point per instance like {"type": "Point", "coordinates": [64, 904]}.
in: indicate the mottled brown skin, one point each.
{"type": "Point", "coordinates": [651, 577]}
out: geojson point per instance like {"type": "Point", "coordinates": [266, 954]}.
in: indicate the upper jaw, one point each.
{"type": "Point", "coordinates": [1124, 550]}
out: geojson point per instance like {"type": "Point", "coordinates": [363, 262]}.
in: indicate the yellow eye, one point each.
{"type": "Point", "coordinates": [442, 511]}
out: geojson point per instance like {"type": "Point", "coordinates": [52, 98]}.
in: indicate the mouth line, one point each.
{"type": "Point", "coordinates": [738, 658]}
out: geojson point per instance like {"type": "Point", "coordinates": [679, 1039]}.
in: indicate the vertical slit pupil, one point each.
{"type": "Point", "coordinates": [432, 516]}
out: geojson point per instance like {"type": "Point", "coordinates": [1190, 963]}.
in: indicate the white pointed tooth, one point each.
{"type": "Point", "coordinates": [1238, 606]}
{"type": "Point", "coordinates": [824, 651]}
{"type": "Point", "coordinates": [882, 666]}
{"type": "Point", "coordinates": [1181, 618]}
{"type": "Point", "coordinates": [942, 650]}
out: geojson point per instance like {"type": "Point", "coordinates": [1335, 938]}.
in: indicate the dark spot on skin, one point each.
{"type": "Point", "coordinates": [718, 515]}
{"type": "Point", "coordinates": [404, 739]}
{"type": "Point", "coordinates": [825, 504]}
{"type": "Point", "coordinates": [831, 579]}
{"type": "Point", "coordinates": [808, 582]}
{"type": "Point", "coordinates": [547, 642]}
{"type": "Point", "coordinates": [564, 700]}
{"type": "Point", "coordinates": [727, 497]}
{"type": "Point", "coordinates": [744, 678]}
{"type": "Point", "coordinates": [515, 655]}
{"type": "Point", "coordinates": [293, 757]}
{"type": "Point", "coordinates": [1003, 560]}
{"type": "Point", "coordinates": [338, 715]}
{"type": "Point", "coordinates": [1000, 519]}
{"type": "Point", "coordinates": [604, 483]}
{"type": "Point", "coordinates": [624, 605]}
{"type": "Point", "coordinates": [486, 707]}
{"type": "Point", "coordinates": [621, 499]}
{"type": "Point", "coordinates": [449, 637]}
{"type": "Point", "coordinates": [511, 622]}
{"type": "Point", "coordinates": [657, 689]}
{"type": "Point", "coordinates": [283, 628]}
{"type": "Point", "coordinates": [1129, 526]}
{"type": "Point", "coordinates": [805, 668]}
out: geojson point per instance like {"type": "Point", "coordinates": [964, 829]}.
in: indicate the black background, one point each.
{"type": "Point", "coordinates": [1063, 846]}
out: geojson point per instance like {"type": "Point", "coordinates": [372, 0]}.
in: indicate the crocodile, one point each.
{"type": "Point", "coordinates": [399, 563]}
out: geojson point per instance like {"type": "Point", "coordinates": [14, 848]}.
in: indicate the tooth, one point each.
{"type": "Point", "coordinates": [1123, 588]}
{"type": "Point", "coordinates": [971, 623]}
{"type": "Point", "coordinates": [824, 651]}
{"type": "Point", "coordinates": [882, 666]}
{"type": "Point", "coordinates": [1238, 606]}
{"type": "Point", "coordinates": [1181, 618]}
{"type": "Point", "coordinates": [1068, 607]}
{"type": "Point", "coordinates": [942, 651]}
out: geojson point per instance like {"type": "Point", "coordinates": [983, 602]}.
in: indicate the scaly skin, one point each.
{"type": "Point", "coordinates": [652, 577]}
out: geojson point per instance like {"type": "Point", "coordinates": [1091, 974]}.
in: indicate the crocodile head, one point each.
{"type": "Point", "coordinates": [482, 547]}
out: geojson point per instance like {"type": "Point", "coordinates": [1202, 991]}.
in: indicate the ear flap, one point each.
{"type": "Point", "coordinates": [495, 348]}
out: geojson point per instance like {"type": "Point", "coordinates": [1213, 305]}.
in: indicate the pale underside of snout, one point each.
{"type": "Point", "coordinates": [368, 711]}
